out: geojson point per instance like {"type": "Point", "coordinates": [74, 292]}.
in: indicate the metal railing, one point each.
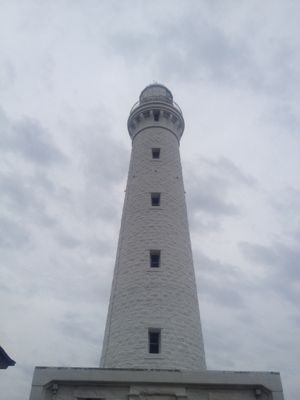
{"type": "Point", "coordinates": [138, 103]}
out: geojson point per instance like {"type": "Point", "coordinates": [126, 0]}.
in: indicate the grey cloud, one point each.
{"type": "Point", "coordinates": [295, 318]}
{"type": "Point", "coordinates": [209, 183]}
{"type": "Point", "coordinates": [42, 181]}
{"type": "Point", "coordinates": [207, 194]}
{"type": "Point", "coordinates": [287, 201]}
{"type": "Point", "coordinates": [97, 247]}
{"type": "Point", "coordinates": [76, 276]}
{"type": "Point", "coordinates": [258, 253]}
{"type": "Point", "coordinates": [12, 234]}
{"type": "Point", "coordinates": [281, 264]}
{"type": "Point", "coordinates": [100, 204]}
{"type": "Point", "coordinates": [199, 43]}
{"type": "Point", "coordinates": [34, 143]}
{"type": "Point", "coordinates": [228, 296]}
{"type": "Point", "coordinates": [101, 247]}
{"type": "Point", "coordinates": [105, 165]}
{"type": "Point", "coordinates": [7, 75]}
{"type": "Point", "coordinates": [193, 45]}
{"type": "Point", "coordinates": [217, 268]}
{"type": "Point", "coordinates": [200, 48]}
{"type": "Point", "coordinates": [204, 225]}
{"type": "Point", "coordinates": [29, 139]}
{"type": "Point", "coordinates": [105, 159]}
{"type": "Point", "coordinates": [67, 240]}
{"type": "Point", "coordinates": [232, 299]}
{"type": "Point", "coordinates": [220, 345]}
{"type": "Point", "coordinates": [220, 283]}
{"type": "Point", "coordinates": [15, 193]}
{"type": "Point", "coordinates": [296, 235]}
{"type": "Point", "coordinates": [225, 291]}
{"type": "Point", "coordinates": [22, 197]}
{"type": "Point", "coordinates": [72, 325]}
{"type": "Point", "coordinates": [231, 171]}
{"type": "Point", "coordinates": [285, 116]}
{"type": "Point", "coordinates": [284, 259]}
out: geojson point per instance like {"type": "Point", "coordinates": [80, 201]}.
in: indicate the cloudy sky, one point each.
{"type": "Point", "coordinates": [69, 73]}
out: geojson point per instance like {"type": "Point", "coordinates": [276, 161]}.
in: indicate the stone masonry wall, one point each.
{"type": "Point", "coordinates": [144, 297]}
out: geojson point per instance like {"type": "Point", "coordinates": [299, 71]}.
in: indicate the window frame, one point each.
{"type": "Point", "coordinates": [155, 151]}
{"type": "Point", "coordinates": [155, 199]}
{"type": "Point", "coordinates": [154, 263]}
{"type": "Point", "coordinates": [156, 345]}
{"type": "Point", "coordinates": [156, 115]}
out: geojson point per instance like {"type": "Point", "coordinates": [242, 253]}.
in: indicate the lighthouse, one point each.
{"type": "Point", "coordinates": [153, 346]}
{"type": "Point", "coordinates": [153, 319]}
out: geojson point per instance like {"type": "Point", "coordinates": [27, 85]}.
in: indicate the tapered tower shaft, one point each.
{"type": "Point", "coordinates": [153, 319]}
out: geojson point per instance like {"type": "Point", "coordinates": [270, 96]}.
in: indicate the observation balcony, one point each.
{"type": "Point", "coordinates": [156, 108]}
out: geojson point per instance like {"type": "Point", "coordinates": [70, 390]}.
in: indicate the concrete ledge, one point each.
{"type": "Point", "coordinates": [44, 377]}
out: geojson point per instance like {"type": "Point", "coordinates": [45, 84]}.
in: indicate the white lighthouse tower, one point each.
{"type": "Point", "coordinates": [153, 319]}
{"type": "Point", "coordinates": [153, 346]}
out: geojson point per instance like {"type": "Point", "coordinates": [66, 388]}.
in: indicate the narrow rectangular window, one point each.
{"type": "Point", "coordinates": [156, 153]}
{"type": "Point", "coordinates": [155, 199]}
{"type": "Point", "coordinates": [154, 258]}
{"type": "Point", "coordinates": [154, 340]}
{"type": "Point", "coordinates": [156, 115]}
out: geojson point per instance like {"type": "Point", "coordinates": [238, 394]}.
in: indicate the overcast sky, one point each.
{"type": "Point", "coordinates": [69, 73]}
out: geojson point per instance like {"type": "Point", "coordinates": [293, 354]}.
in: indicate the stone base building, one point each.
{"type": "Point", "coordinates": [130, 384]}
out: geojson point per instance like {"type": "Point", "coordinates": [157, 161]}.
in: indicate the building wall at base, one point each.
{"type": "Point", "coordinates": [152, 392]}
{"type": "Point", "coordinates": [99, 384]}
